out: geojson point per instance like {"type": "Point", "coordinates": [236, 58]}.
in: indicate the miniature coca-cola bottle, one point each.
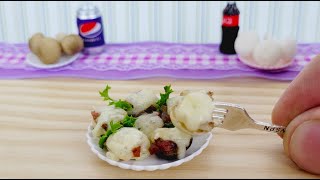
{"type": "Point", "coordinates": [230, 28]}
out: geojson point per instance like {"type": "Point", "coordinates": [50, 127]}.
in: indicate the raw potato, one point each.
{"type": "Point", "coordinates": [72, 44]}
{"type": "Point", "coordinates": [34, 43]}
{"type": "Point", "coordinates": [49, 51]}
{"type": "Point", "coordinates": [60, 36]}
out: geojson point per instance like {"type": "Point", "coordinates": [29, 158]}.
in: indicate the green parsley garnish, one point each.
{"type": "Point", "coordinates": [128, 121]}
{"type": "Point", "coordinates": [105, 94]}
{"type": "Point", "coordinates": [119, 104]}
{"type": "Point", "coordinates": [164, 97]}
{"type": "Point", "coordinates": [113, 129]}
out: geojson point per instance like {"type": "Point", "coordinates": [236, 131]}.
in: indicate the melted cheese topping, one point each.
{"type": "Point", "coordinates": [124, 141]}
{"type": "Point", "coordinates": [112, 156]}
{"type": "Point", "coordinates": [141, 100]}
{"type": "Point", "coordinates": [173, 102]}
{"type": "Point", "coordinates": [174, 134]}
{"type": "Point", "coordinates": [193, 110]}
{"type": "Point", "coordinates": [147, 123]}
{"type": "Point", "coordinates": [107, 114]}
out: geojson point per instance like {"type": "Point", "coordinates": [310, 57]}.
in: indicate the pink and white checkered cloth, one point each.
{"type": "Point", "coordinates": [148, 57]}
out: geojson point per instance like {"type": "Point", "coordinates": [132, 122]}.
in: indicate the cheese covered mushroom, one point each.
{"type": "Point", "coordinates": [170, 143]}
{"type": "Point", "coordinates": [192, 111]}
{"type": "Point", "coordinates": [128, 143]}
{"type": "Point", "coordinates": [147, 123]}
{"type": "Point", "coordinates": [103, 117]}
{"type": "Point", "coordinates": [141, 101]}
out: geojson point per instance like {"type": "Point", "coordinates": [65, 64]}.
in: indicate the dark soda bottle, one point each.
{"type": "Point", "coordinates": [230, 28]}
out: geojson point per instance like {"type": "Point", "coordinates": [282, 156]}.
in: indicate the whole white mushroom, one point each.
{"type": "Point", "coordinates": [245, 43]}
{"type": "Point", "coordinates": [267, 53]}
{"type": "Point", "coordinates": [289, 48]}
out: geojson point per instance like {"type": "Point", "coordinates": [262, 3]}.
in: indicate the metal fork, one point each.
{"type": "Point", "coordinates": [233, 117]}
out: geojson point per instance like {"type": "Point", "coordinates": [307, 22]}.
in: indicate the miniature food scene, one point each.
{"type": "Point", "coordinates": [160, 89]}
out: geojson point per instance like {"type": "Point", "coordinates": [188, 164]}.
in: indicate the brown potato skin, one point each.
{"type": "Point", "coordinates": [72, 44]}
{"type": "Point", "coordinates": [34, 43]}
{"type": "Point", "coordinates": [50, 50]}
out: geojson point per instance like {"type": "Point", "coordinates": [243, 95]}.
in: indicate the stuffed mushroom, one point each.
{"type": "Point", "coordinates": [170, 143]}
{"type": "Point", "coordinates": [128, 144]}
{"type": "Point", "coordinates": [102, 118]}
{"type": "Point", "coordinates": [141, 101]}
{"type": "Point", "coordinates": [147, 123]}
{"type": "Point", "coordinates": [192, 111]}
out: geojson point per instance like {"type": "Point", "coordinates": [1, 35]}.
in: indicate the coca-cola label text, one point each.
{"type": "Point", "coordinates": [230, 21]}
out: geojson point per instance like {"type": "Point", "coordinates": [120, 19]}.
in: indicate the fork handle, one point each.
{"type": "Point", "coordinates": [268, 127]}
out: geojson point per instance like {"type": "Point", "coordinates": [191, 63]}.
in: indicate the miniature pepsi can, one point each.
{"type": "Point", "coordinates": [90, 28]}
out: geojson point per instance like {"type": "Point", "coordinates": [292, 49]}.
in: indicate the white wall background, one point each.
{"type": "Point", "coordinates": [197, 22]}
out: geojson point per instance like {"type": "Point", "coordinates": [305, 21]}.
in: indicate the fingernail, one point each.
{"type": "Point", "coordinates": [305, 146]}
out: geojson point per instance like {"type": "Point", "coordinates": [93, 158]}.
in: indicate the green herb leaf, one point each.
{"type": "Point", "coordinates": [164, 97]}
{"type": "Point", "coordinates": [123, 105]}
{"type": "Point", "coordinates": [102, 140]}
{"type": "Point", "coordinates": [129, 121]}
{"type": "Point", "coordinates": [119, 104]}
{"type": "Point", "coordinates": [105, 94]}
{"type": "Point", "coordinates": [114, 127]}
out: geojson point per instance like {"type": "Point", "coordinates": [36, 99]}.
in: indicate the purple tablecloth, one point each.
{"type": "Point", "coordinates": [149, 59]}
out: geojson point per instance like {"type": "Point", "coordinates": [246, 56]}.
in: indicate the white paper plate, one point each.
{"type": "Point", "coordinates": [34, 61]}
{"type": "Point", "coordinates": [199, 143]}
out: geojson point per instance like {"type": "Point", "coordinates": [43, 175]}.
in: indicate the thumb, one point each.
{"type": "Point", "coordinates": [301, 95]}
{"type": "Point", "coordinates": [302, 140]}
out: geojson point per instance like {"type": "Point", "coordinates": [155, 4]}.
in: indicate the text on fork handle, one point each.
{"type": "Point", "coordinates": [274, 129]}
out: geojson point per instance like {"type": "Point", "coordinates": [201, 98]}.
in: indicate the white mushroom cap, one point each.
{"type": "Point", "coordinates": [289, 48]}
{"type": "Point", "coordinates": [267, 53]}
{"type": "Point", "coordinates": [245, 43]}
